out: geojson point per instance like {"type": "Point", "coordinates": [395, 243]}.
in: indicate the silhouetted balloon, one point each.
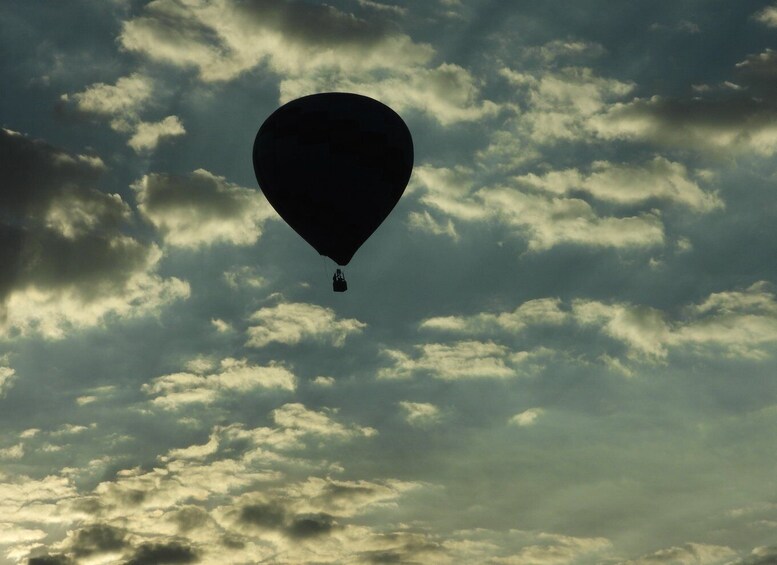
{"type": "Point", "coordinates": [333, 165]}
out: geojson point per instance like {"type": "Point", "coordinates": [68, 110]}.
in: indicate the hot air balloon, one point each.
{"type": "Point", "coordinates": [333, 165]}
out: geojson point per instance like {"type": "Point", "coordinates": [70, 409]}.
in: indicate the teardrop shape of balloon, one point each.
{"type": "Point", "coordinates": [333, 165]}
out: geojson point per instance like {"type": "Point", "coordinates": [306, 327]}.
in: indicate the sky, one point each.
{"type": "Point", "coordinates": [558, 349]}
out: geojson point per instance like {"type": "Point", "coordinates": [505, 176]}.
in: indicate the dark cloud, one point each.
{"type": "Point", "coordinates": [97, 539]}
{"type": "Point", "coordinates": [309, 526]}
{"type": "Point", "coordinates": [190, 517]}
{"type": "Point", "coordinates": [59, 229]}
{"type": "Point", "coordinates": [759, 70]}
{"type": "Point", "coordinates": [273, 516]}
{"type": "Point", "coordinates": [57, 559]}
{"type": "Point", "coordinates": [766, 555]}
{"type": "Point", "coordinates": [201, 208]}
{"type": "Point", "coordinates": [62, 235]}
{"type": "Point", "coordinates": [311, 23]}
{"type": "Point", "coordinates": [34, 172]}
{"type": "Point", "coordinates": [268, 516]}
{"type": "Point", "coordinates": [163, 553]}
{"type": "Point", "coordinates": [383, 557]}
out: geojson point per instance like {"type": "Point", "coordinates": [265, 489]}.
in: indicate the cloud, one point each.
{"type": "Point", "coordinates": [767, 16]}
{"type": "Point", "coordinates": [68, 260]}
{"type": "Point", "coordinates": [683, 26]}
{"type": "Point", "coordinates": [324, 381]}
{"type": "Point", "coordinates": [763, 555]}
{"type": "Point", "coordinates": [448, 93]}
{"type": "Point", "coordinates": [11, 534]}
{"type": "Point", "coordinates": [527, 417]}
{"type": "Point", "coordinates": [556, 550]}
{"type": "Point", "coordinates": [643, 329]}
{"type": "Point", "coordinates": [688, 554]}
{"type": "Point", "coordinates": [7, 377]}
{"type": "Point", "coordinates": [541, 311]}
{"type": "Point", "coordinates": [147, 135]}
{"type": "Point", "coordinates": [234, 375]}
{"type": "Point", "coordinates": [545, 221]}
{"type": "Point", "coordinates": [420, 413]}
{"type": "Point", "coordinates": [561, 103]}
{"type": "Point", "coordinates": [555, 221]}
{"type": "Point", "coordinates": [628, 184]}
{"type": "Point", "coordinates": [399, 10]}
{"type": "Point", "coordinates": [563, 49]}
{"type": "Point", "coordinates": [296, 417]}
{"type": "Point", "coordinates": [736, 323]}
{"type": "Point", "coordinates": [733, 323]}
{"type": "Point", "coordinates": [201, 209]}
{"type": "Point", "coordinates": [738, 124]}
{"type": "Point", "coordinates": [225, 38]}
{"type": "Point", "coordinates": [96, 539]}
{"type": "Point", "coordinates": [124, 100]}
{"type": "Point", "coordinates": [123, 103]}
{"type": "Point", "coordinates": [13, 452]}
{"type": "Point", "coordinates": [313, 48]}
{"type": "Point", "coordinates": [56, 559]}
{"type": "Point", "coordinates": [458, 361]}
{"type": "Point", "coordinates": [244, 277]}
{"type": "Point", "coordinates": [36, 501]}
{"type": "Point", "coordinates": [292, 323]}
{"type": "Point", "coordinates": [155, 553]}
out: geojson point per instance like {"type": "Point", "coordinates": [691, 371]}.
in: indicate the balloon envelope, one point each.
{"type": "Point", "coordinates": [333, 165]}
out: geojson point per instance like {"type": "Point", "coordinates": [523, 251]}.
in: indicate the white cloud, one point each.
{"type": "Point", "coordinates": [688, 554]}
{"type": "Point", "coordinates": [629, 184]}
{"type": "Point", "coordinates": [179, 389]}
{"type": "Point", "coordinates": [126, 99]}
{"type": "Point", "coordinates": [11, 534]}
{"type": "Point", "coordinates": [725, 125]}
{"type": "Point", "coordinates": [7, 377]}
{"type": "Point", "coordinates": [54, 313]}
{"type": "Point", "coordinates": [541, 311]}
{"type": "Point", "coordinates": [644, 330]}
{"type": "Point", "coordinates": [344, 498]}
{"type": "Point", "coordinates": [147, 135]}
{"type": "Point", "coordinates": [314, 48]}
{"type": "Point", "coordinates": [70, 429]}
{"type": "Point", "coordinates": [424, 221]}
{"type": "Point", "coordinates": [292, 323]}
{"type": "Point", "coordinates": [736, 323]}
{"type": "Point", "coordinates": [224, 38]}
{"type": "Point", "coordinates": [296, 417]}
{"type": "Point", "coordinates": [244, 277]}
{"type": "Point", "coordinates": [399, 10]}
{"type": "Point", "coordinates": [448, 93]}
{"type": "Point", "coordinates": [560, 103]}
{"type": "Point", "coordinates": [556, 550]}
{"type": "Point", "coordinates": [123, 104]}
{"type": "Point", "coordinates": [548, 222]}
{"type": "Point", "coordinates": [767, 16]}
{"type": "Point", "coordinates": [545, 221]}
{"type": "Point", "coordinates": [324, 381]}
{"type": "Point", "coordinates": [201, 208]}
{"type": "Point", "coordinates": [221, 326]}
{"type": "Point", "coordinates": [36, 501]}
{"type": "Point", "coordinates": [559, 49]}
{"type": "Point", "coordinates": [420, 413]}
{"type": "Point", "coordinates": [527, 417]}
{"type": "Point", "coordinates": [13, 452]}
{"type": "Point", "coordinates": [458, 361]}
